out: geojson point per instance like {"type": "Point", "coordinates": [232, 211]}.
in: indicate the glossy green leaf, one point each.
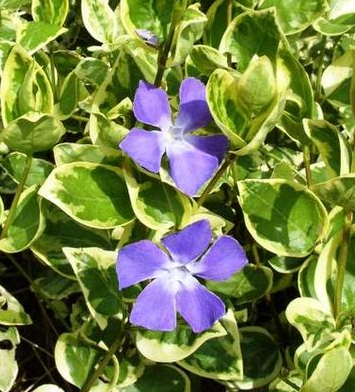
{"type": "Point", "coordinates": [39, 170]}
{"type": "Point", "coordinates": [189, 30]}
{"type": "Point", "coordinates": [33, 132]}
{"type": "Point", "coordinates": [286, 265]}
{"type": "Point", "coordinates": [169, 377]}
{"type": "Point", "coordinates": [157, 205]}
{"type": "Point", "coordinates": [310, 317]}
{"type": "Point", "coordinates": [24, 86]}
{"type": "Point", "coordinates": [54, 286]}
{"type": "Point", "coordinates": [151, 15]}
{"type": "Point", "coordinates": [245, 286]}
{"type": "Point", "coordinates": [218, 16]}
{"type": "Point", "coordinates": [53, 12]}
{"type": "Point", "coordinates": [62, 231]}
{"type": "Point", "coordinates": [336, 79]}
{"type": "Point", "coordinates": [245, 129]}
{"type": "Point", "coordinates": [219, 358]}
{"type": "Point", "coordinates": [100, 20]}
{"type": "Point", "coordinates": [176, 345]}
{"type": "Point", "coordinates": [35, 35]}
{"type": "Point", "coordinates": [274, 212]}
{"type": "Point", "coordinates": [338, 191]}
{"type": "Point", "coordinates": [11, 311]}
{"type": "Point", "coordinates": [74, 152]}
{"type": "Point", "coordinates": [92, 194]}
{"type": "Point", "coordinates": [206, 59]}
{"type": "Point", "coordinates": [252, 33]}
{"type": "Point", "coordinates": [257, 87]}
{"type": "Point", "coordinates": [331, 372]}
{"type": "Point", "coordinates": [9, 367]}
{"type": "Point", "coordinates": [262, 360]}
{"type": "Point", "coordinates": [27, 224]}
{"type": "Point", "coordinates": [296, 15]}
{"type": "Point", "coordinates": [294, 80]}
{"type": "Point", "coordinates": [332, 145]}
{"type": "Point", "coordinates": [92, 70]}
{"type": "Point", "coordinates": [95, 270]}
{"type": "Point", "coordinates": [76, 359]}
{"type": "Point", "coordinates": [69, 97]}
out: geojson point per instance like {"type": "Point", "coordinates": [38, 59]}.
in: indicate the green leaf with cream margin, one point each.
{"type": "Point", "coordinates": [33, 36]}
{"type": "Point", "coordinates": [76, 359]}
{"type": "Point", "coordinates": [247, 285]}
{"type": "Point", "coordinates": [27, 224]}
{"type": "Point", "coordinates": [24, 86]}
{"type": "Point", "coordinates": [100, 20]}
{"type": "Point", "coordinates": [92, 194]}
{"type": "Point", "coordinates": [310, 317]}
{"type": "Point", "coordinates": [157, 205]}
{"type": "Point", "coordinates": [14, 313]}
{"type": "Point", "coordinates": [240, 107]}
{"type": "Point", "coordinates": [48, 388]}
{"type": "Point", "coordinates": [9, 367]}
{"type": "Point", "coordinates": [275, 212]}
{"type": "Point", "coordinates": [334, 149]}
{"type": "Point", "coordinates": [53, 12]}
{"type": "Point", "coordinates": [339, 191]}
{"type": "Point", "coordinates": [221, 358]}
{"type": "Point", "coordinates": [95, 270]}
{"type": "Point", "coordinates": [331, 372]}
{"type": "Point", "coordinates": [175, 345]}
{"type": "Point", "coordinates": [33, 132]}
{"type": "Point", "coordinates": [262, 360]}
{"type": "Point", "coordinates": [1, 209]}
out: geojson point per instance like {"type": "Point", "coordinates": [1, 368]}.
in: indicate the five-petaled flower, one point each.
{"type": "Point", "coordinates": [174, 287]}
{"type": "Point", "coordinates": [192, 159]}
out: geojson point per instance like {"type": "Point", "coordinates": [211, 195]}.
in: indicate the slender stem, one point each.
{"type": "Point", "coordinates": [19, 190]}
{"type": "Point", "coordinates": [101, 368]}
{"type": "Point", "coordinates": [229, 19]}
{"type": "Point", "coordinates": [344, 246]}
{"type": "Point", "coordinates": [79, 118]}
{"type": "Point", "coordinates": [255, 252]}
{"type": "Point", "coordinates": [165, 49]}
{"type": "Point", "coordinates": [307, 165]}
{"type": "Point", "coordinates": [230, 159]}
{"type": "Point", "coordinates": [318, 87]}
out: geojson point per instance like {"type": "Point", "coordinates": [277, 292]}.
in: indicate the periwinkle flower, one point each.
{"type": "Point", "coordinates": [174, 287]}
{"type": "Point", "coordinates": [192, 159]}
{"type": "Point", "coordinates": [148, 37]}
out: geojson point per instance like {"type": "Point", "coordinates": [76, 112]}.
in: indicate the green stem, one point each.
{"type": "Point", "coordinates": [307, 165]}
{"type": "Point", "coordinates": [165, 49]}
{"type": "Point", "coordinates": [17, 197]}
{"type": "Point", "coordinates": [318, 87]}
{"type": "Point", "coordinates": [230, 159]}
{"type": "Point", "coordinates": [229, 19]}
{"type": "Point", "coordinates": [344, 246]}
{"type": "Point", "coordinates": [79, 118]}
{"type": "Point", "coordinates": [101, 368]}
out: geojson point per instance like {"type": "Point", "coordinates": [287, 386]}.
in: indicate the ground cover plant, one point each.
{"type": "Point", "coordinates": [177, 193]}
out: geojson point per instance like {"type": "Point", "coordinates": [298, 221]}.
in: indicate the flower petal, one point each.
{"type": "Point", "coordinates": [151, 105]}
{"type": "Point", "coordinates": [216, 145]}
{"type": "Point", "coordinates": [148, 36]}
{"type": "Point", "coordinates": [193, 112]}
{"type": "Point", "coordinates": [144, 147]}
{"type": "Point", "coordinates": [189, 243]}
{"type": "Point", "coordinates": [140, 261]}
{"type": "Point", "coordinates": [190, 168]}
{"type": "Point", "coordinates": [198, 306]}
{"type": "Point", "coordinates": [155, 307]}
{"type": "Point", "coordinates": [225, 257]}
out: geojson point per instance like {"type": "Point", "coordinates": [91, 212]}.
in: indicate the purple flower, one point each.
{"type": "Point", "coordinates": [192, 159]}
{"type": "Point", "coordinates": [174, 287]}
{"type": "Point", "coordinates": [148, 37]}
